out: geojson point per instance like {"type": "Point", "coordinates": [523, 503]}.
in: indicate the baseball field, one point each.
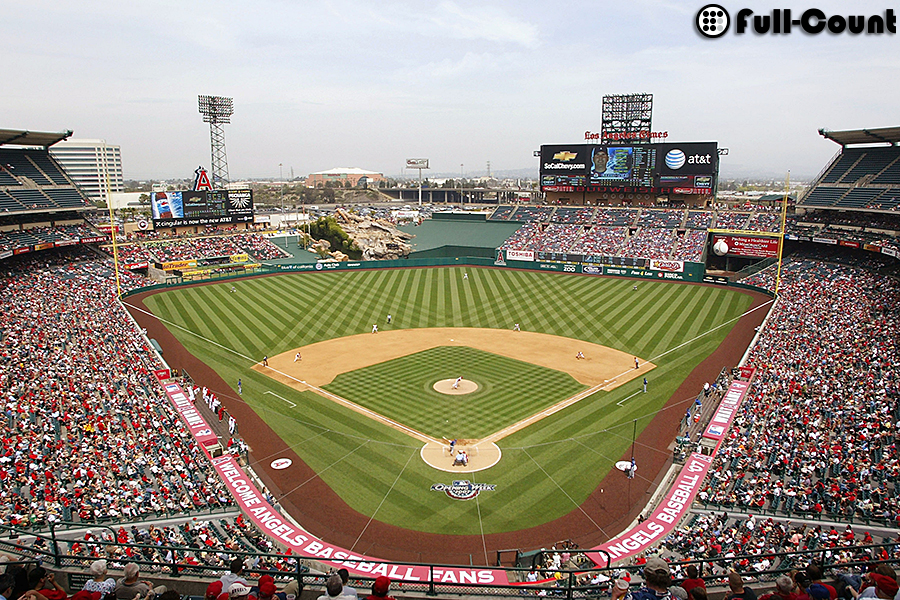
{"type": "Point", "coordinates": [355, 409]}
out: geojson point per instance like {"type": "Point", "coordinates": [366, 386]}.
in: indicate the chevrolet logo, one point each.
{"type": "Point", "coordinates": [565, 155]}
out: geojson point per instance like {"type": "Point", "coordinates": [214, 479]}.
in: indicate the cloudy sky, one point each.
{"type": "Point", "coordinates": [367, 84]}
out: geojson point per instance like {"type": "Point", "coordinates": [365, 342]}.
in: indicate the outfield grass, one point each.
{"type": "Point", "coordinates": [509, 391]}
{"type": "Point", "coordinates": [547, 468]}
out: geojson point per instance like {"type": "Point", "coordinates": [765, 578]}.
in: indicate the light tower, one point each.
{"type": "Point", "coordinates": [217, 111]}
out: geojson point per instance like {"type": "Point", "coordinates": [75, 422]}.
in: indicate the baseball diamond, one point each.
{"type": "Point", "coordinates": [360, 482]}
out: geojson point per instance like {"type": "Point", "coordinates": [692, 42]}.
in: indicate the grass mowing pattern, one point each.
{"type": "Point", "coordinates": [577, 446]}
{"type": "Point", "coordinates": [509, 391]}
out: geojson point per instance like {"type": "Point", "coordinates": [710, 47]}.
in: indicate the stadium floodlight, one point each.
{"type": "Point", "coordinates": [627, 118]}
{"type": "Point", "coordinates": [217, 111]}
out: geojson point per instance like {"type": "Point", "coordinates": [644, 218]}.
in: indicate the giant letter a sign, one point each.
{"type": "Point", "coordinates": [201, 180]}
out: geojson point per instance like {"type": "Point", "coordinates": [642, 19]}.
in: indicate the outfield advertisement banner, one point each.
{"type": "Point", "coordinates": [757, 247]}
{"type": "Point", "coordinates": [675, 266]}
{"type": "Point", "coordinates": [525, 255]}
{"type": "Point", "coordinates": [664, 517]}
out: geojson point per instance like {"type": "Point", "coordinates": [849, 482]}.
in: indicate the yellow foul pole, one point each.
{"type": "Point", "coordinates": [112, 224]}
{"type": "Point", "coordinates": [784, 203]}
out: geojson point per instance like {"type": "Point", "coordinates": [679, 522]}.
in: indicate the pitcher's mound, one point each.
{"type": "Point", "coordinates": [445, 386]}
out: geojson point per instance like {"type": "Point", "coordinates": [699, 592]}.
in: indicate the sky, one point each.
{"type": "Point", "coordinates": [368, 84]}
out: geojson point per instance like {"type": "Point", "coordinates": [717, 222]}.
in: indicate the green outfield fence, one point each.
{"type": "Point", "coordinates": [692, 272]}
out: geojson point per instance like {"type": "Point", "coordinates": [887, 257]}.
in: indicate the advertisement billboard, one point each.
{"type": "Point", "coordinates": [681, 168]}
{"type": "Point", "coordinates": [416, 163]}
{"type": "Point", "coordinates": [214, 207]}
{"type": "Point", "coordinates": [755, 247]}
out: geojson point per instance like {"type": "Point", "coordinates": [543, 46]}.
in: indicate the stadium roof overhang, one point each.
{"type": "Point", "coordinates": [20, 137]}
{"type": "Point", "coordinates": [850, 137]}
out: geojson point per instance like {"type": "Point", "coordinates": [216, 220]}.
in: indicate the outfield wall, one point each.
{"type": "Point", "coordinates": [691, 272]}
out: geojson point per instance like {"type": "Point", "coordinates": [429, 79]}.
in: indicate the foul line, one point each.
{"type": "Point", "coordinates": [550, 477]}
{"type": "Point", "coordinates": [622, 401]}
{"type": "Point", "coordinates": [388, 493]}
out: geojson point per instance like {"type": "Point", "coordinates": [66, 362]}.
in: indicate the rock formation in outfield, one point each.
{"type": "Point", "coordinates": [378, 239]}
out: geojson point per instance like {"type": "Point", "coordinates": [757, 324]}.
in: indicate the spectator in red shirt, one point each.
{"type": "Point", "coordinates": [693, 579]}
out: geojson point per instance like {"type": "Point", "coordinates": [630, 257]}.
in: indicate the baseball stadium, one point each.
{"type": "Point", "coordinates": [538, 398]}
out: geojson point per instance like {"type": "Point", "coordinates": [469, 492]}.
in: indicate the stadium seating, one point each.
{"type": "Point", "coordinates": [847, 159]}
{"type": "Point", "coordinates": [8, 203]}
{"type": "Point", "coordinates": [31, 198]}
{"type": "Point", "coordinates": [699, 219]}
{"type": "Point", "coordinates": [765, 221]}
{"type": "Point", "coordinates": [606, 241]}
{"type": "Point", "coordinates": [731, 220]}
{"type": "Point", "coordinates": [502, 213]}
{"type": "Point", "coordinates": [873, 161]}
{"type": "Point", "coordinates": [531, 214]}
{"type": "Point", "coordinates": [890, 176]}
{"type": "Point", "coordinates": [816, 433]}
{"type": "Point", "coordinates": [573, 214]}
{"type": "Point", "coordinates": [66, 197]}
{"type": "Point", "coordinates": [18, 164]}
{"type": "Point", "coordinates": [824, 196]}
{"type": "Point", "coordinates": [661, 219]}
{"type": "Point", "coordinates": [650, 243]}
{"type": "Point", "coordinates": [48, 166]}
{"type": "Point", "coordinates": [690, 246]}
{"type": "Point", "coordinates": [615, 217]}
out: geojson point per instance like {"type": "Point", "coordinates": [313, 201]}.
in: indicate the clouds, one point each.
{"type": "Point", "coordinates": [366, 84]}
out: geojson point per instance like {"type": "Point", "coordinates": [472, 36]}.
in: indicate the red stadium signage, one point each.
{"type": "Point", "coordinates": [92, 240]}
{"type": "Point", "coordinates": [62, 243]}
{"type": "Point", "coordinates": [757, 247]}
{"type": "Point", "coordinates": [162, 374]}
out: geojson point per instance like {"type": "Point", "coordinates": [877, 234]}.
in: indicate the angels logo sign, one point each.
{"type": "Point", "coordinates": [463, 489]}
{"type": "Point", "coordinates": [201, 180]}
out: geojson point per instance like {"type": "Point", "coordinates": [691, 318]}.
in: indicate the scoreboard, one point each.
{"type": "Point", "coordinates": [681, 168]}
{"type": "Point", "coordinates": [213, 207]}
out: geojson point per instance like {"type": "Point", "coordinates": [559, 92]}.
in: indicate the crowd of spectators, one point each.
{"type": "Point", "coordinates": [603, 241]}
{"type": "Point", "coordinates": [650, 243]}
{"type": "Point", "coordinates": [866, 220]}
{"type": "Point", "coordinates": [573, 214]}
{"type": "Point", "coordinates": [818, 432]}
{"type": "Point", "coordinates": [699, 219]}
{"type": "Point", "coordinates": [720, 536]}
{"type": "Point", "coordinates": [21, 238]}
{"type": "Point", "coordinates": [690, 246]}
{"type": "Point", "coordinates": [765, 222]}
{"type": "Point", "coordinates": [257, 246]}
{"type": "Point", "coordinates": [661, 219]}
{"type": "Point", "coordinates": [731, 220]}
{"type": "Point", "coordinates": [86, 433]}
